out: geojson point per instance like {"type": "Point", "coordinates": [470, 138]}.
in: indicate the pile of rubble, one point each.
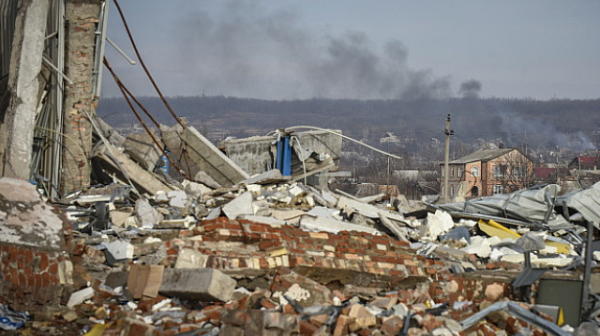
{"type": "Point", "coordinates": [268, 256]}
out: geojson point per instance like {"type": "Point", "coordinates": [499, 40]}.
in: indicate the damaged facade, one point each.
{"type": "Point", "coordinates": [166, 233]}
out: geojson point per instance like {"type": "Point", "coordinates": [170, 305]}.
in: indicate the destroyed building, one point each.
{"type": "Point", "coordinates": [164, 233]}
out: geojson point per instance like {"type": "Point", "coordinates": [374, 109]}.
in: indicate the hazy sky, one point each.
{"type": "Point", "coordinates": [278, 49]}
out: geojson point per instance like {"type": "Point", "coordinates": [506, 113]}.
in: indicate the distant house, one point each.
{"type": "Point", "coordinates": [488, 172]}
{"type": "Point", "coordinates": [585, 163]}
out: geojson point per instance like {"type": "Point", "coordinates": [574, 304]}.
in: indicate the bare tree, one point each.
{"type": "Point", "coordinates": [514, 173]}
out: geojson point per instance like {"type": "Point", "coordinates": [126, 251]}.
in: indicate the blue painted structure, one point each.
{"type": "Point", "coordinates": [284, 156]}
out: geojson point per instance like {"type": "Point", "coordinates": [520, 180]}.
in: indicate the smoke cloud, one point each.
{"type": "Point", "coordinates": [517, 130]}
{"type": "Point", "coordinates": [244, 50]}
{"type": "Point", "coordinates": [470, 89]}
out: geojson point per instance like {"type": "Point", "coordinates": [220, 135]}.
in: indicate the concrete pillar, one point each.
{"type": "Point", "coordinates": [24, 87]}
{"type": "Point", "coordinates": [82, 17]}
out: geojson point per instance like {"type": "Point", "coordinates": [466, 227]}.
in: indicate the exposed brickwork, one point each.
{"type": "Point", "coordinates": [35, 268]}
{"type": "Point", "coordinates": [30, 279]}
{"type": "Point", "coordinates": [267, 247]}
{"type": "Point", "coordinates": [82, 18]}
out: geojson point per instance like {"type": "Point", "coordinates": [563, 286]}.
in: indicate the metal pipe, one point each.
{"type": "Point", "coordinates": [347, 138]}
{"type": "Point", "coordinates": [56, 70]}
{"type": "Point", "coordinates": [132, 62]}
{"type": "Point", "coordinates": [100, 48]}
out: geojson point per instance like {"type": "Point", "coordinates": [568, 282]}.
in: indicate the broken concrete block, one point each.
{"type": "Point", "coordinates": [320, 211]}
{"type": "Point", "coordinates": [120, 249]}
{"type": "Point", "coordinates": [145, 214]}
{"type": "Point", "coordinates": [304, 290]}
{"type": "Point", "coordinates": [214, 213]}
{"type": "Point", "coordinates": [261, 208]}
{"type": "Point", "coordinates": [373, 198]}
{"type": "Point", "coordinates": [290, 216]}
{"type": "Point", "coordinates": [177, 198]}
{"type": "Point", "coordinates": [268, 177]}
{"type": "Point", "coordinates": [189, 258]}
{"type": "Point", "coordinates": [329, 198]}
{"type": "Point", "coordinates": [481, 246]}
{"type": "Point", "coordinates": [182, 223]}
{"type": "Point", "coordinates": [204, 178]}
{"type": "Point", "coordinates": [80, 296]}
{"type": "Point", "coordinates": [264, 220]}
{"type": "Point", "coordinates": [120, 165]}
{"type": "Point", "coordinates": [241, 205]}
{"type": "Point", "coordinates": [142, 149]}
{"type": "Point", "coordinates": [195, 189]}
{"type": "Point", "coordinates": [205, 284]}
{"type": "Point", "coordinates": [393, 227]}
{"type": "Point", "coordinates": [203, 155]}
{"type": "Point", "coordinates": [331, 225]}
{"type": "Point", "coordinates": [254, 188]}
{"type": "Point", "coordinates": [438, 223]}
{"type": "Point", "coordinates": [296, 190]}
{"type": "Point", "coordinates": [119, 216]}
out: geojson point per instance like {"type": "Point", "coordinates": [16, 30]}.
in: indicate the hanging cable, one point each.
{"type": "Point", "coordinates": [151, 134]}
{"type": "Point", "coordinates": [347, 138]}
{"type": "Point", "coordinates": [144, 65]}
{"type": "Point", "coordinates": [120, 84]}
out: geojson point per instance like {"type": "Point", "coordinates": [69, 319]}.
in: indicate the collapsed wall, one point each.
{"type": "Point", "coordinates": [36, 270]}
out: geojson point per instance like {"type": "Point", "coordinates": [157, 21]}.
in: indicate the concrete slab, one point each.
{"type": "Point", "coordinates": [120, 249]}
{"type": "Point", "coordinates": [331, 225]}
{"type": "Point", "coordinates": [205, 156]}
{"type": "Point", "coordinates": [204, 284]}
{"type": "Point", "coordinates": [241, 205]}
{"type": "Point", "coordinates": [264, 220]}
{"type": "Point", "coordinates": [268, 177]}
{"type": "Point", "coordinates": [80, 296]}
{"type": "Point", "coordinates": [145, 214]}
{"type": "Point", "coordinates": [123, 167]}
{"type": "Point", "coordinates": [189, 258]}
{"type": "Point", "coordinates": [142, 149]}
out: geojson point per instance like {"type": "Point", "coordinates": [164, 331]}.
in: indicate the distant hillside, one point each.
{"type": "Point", "coordinates": [541, 124]}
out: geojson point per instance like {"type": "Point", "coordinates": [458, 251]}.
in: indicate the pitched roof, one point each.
{"type": "Point", "coordinates": [483, 155]}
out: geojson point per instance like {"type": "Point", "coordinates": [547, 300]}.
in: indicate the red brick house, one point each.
{"type": "Point", "coordinates": [488, 172]}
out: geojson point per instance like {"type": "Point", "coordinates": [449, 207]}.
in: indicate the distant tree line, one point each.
{"type": "Point", "coordinates": [514, 122]}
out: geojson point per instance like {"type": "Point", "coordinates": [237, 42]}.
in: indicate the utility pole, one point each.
{"type": "Point", "coordinates": [448, 132]}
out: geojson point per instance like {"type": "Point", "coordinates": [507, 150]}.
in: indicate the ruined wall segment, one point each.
{"type": "Point", "coordinates": [36, 270]}
{"type": "Point", "coordinates": [82, 18]}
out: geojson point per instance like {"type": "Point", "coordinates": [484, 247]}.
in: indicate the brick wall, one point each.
{"type": "Point", "coordinates": [31, 279]}
{"type": "Point", "coordinates": [36, 270]}
{"type": "Point", "coordinates": [357, 258]}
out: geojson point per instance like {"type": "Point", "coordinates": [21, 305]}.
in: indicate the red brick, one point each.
{"type": "Point", "coordinates": [258, 228]}
{"type": "Point", "coordinates": [44, 262]}
{"type": "Point", "coordinates": [139, 329]}
{"type": "Point", "coordinates": [307, 328]}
